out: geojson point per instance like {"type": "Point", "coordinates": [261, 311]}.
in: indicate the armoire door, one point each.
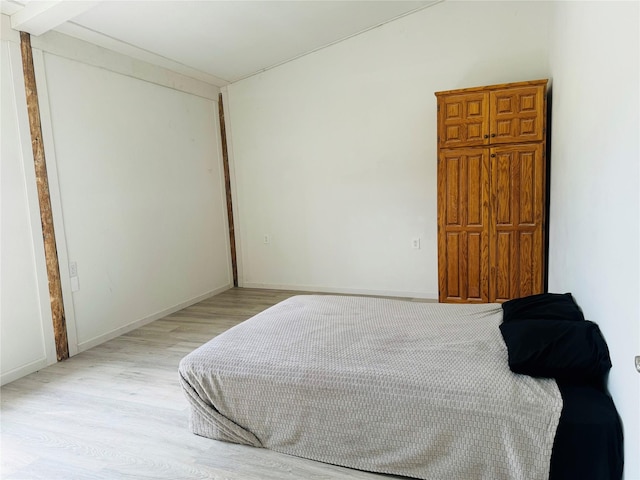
{"type": "Point", "coordinates": [463, 120]}
{"type": "Point", "coordinates": [463, 224]}
{"type": "Point", "coordinates": [517, 221]}
{"type": "Point", "coordinates": [517, 114]}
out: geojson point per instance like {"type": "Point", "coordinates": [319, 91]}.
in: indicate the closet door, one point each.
{"type": "Point", "coordinates": [463, 224]}
{"type": "Point", "coordinates": [463, 119]}
{"type": "Point", "coordinates": [518, 114]}
{"type": "Point", "coordinates": [517, 225]}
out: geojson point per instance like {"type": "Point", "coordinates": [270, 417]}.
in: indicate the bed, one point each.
{"type": "Point", "coordinates": [422, 390]}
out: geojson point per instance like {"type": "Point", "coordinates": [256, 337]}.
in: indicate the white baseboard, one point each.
{"type": "Point", "coordinates": [23, 371]}
{"type": "Point", "coordinates": [144, 321]}
{"type": "Point", "coordinates": [348, 291]}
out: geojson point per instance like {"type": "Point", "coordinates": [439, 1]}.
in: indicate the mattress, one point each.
{"type": "Point", "coordinates": [389, 386]}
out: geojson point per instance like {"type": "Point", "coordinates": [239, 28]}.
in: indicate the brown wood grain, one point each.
{"type": "Point", "coordinates": [492, 192]}
{"type": "Point", "coordinates": [518, 202]}
{"type": "Point", "coordinates": [463, 119]}
{"type": "Point", "coordinates": [497, 86]}
{"type": "Point", "coordinates": [517, 114]}
{"type": "Point", "coordinates": [227, 186]}
{"type": "Point", "coordinates": [46, 216]}
{"type": "Point", "coordinates": [463, 224]}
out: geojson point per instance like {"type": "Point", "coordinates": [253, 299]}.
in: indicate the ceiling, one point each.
{"type": "Point", "coordinates": [217, 41]}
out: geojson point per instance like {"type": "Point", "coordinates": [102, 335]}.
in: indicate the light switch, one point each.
{"type": "Point", "coordinates": [75, 284]}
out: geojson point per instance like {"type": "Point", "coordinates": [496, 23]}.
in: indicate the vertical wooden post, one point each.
{"type": "Point", "coordinates": [227, 186]}
{"type": "Point", "coordinates": [46, 216]}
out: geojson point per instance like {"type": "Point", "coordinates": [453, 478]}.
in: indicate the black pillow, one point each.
{"type": "Point", "coordinates": [560, 349]}
{"type": "Point", "coordinates": [544, 306]}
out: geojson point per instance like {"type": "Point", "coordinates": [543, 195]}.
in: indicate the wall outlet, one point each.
{"type": "Point", "coordinates": [73, 269]}
{"type": "Point", "coordinates": [415, 243]}
{"type": "Point", "coordinates": [638, 363]}
{"type": "Point", "coordinates": [266, 239]}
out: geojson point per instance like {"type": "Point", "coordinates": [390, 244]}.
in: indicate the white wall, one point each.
{"type": "Point", "coordinates": [141, 193]}
{"type": "Point", "coordinates": [335, 153]}
{"type": "Point", "coordinates": [26, 331]}
{"type": "Point", "coordinates": [334, 158]}
{"type": "Point", "coordinates": [137, 193]}
{"type": "Point", "coordinates": [594, 218]}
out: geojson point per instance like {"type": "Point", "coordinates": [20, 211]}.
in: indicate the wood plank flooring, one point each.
{"type": "Point", "coordinates": [117, 410]}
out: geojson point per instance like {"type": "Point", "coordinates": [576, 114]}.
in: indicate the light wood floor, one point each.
{"type": "Point", "coordinates": [117, 410]}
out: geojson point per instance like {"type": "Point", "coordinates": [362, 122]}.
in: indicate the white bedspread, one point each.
{"type": "Point", "coordinates": [407, 388]}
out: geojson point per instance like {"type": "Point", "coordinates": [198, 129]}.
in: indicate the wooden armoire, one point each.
{"type": "Point", "coordinates": [492, 192]}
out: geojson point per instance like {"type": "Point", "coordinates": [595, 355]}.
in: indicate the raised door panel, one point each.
{"type": "Point", "coordinates": [463, 119]}
{"type": "Point", "coordinates": [463, 250]}
{"type": "Point", "coordinates": [518, 114]}
{"type": "Point", "coordinates": [518, 205]}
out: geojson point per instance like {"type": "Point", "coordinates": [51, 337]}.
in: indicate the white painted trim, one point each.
{"type": "Point", "coordinates": [55, 198]}
{"type": "Point", "coordinates": [146, 320]}
{"type": "Point", "coordinates": [37, 18]}
{"type": "Point", "coordinates": [74, 49]}
{"type": "Point", "coordinates": [349, 291]}
{"type": "Point", "coordinates": [37, 243]}
{"type": "Point", "coordinates": [85, 34]}
{"type": "Point", "coordinates": [20, 372]}
{"type": "Point", "coordinates": [6, 32]}
{"type": "Point", "coordinates": [148, 70]}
